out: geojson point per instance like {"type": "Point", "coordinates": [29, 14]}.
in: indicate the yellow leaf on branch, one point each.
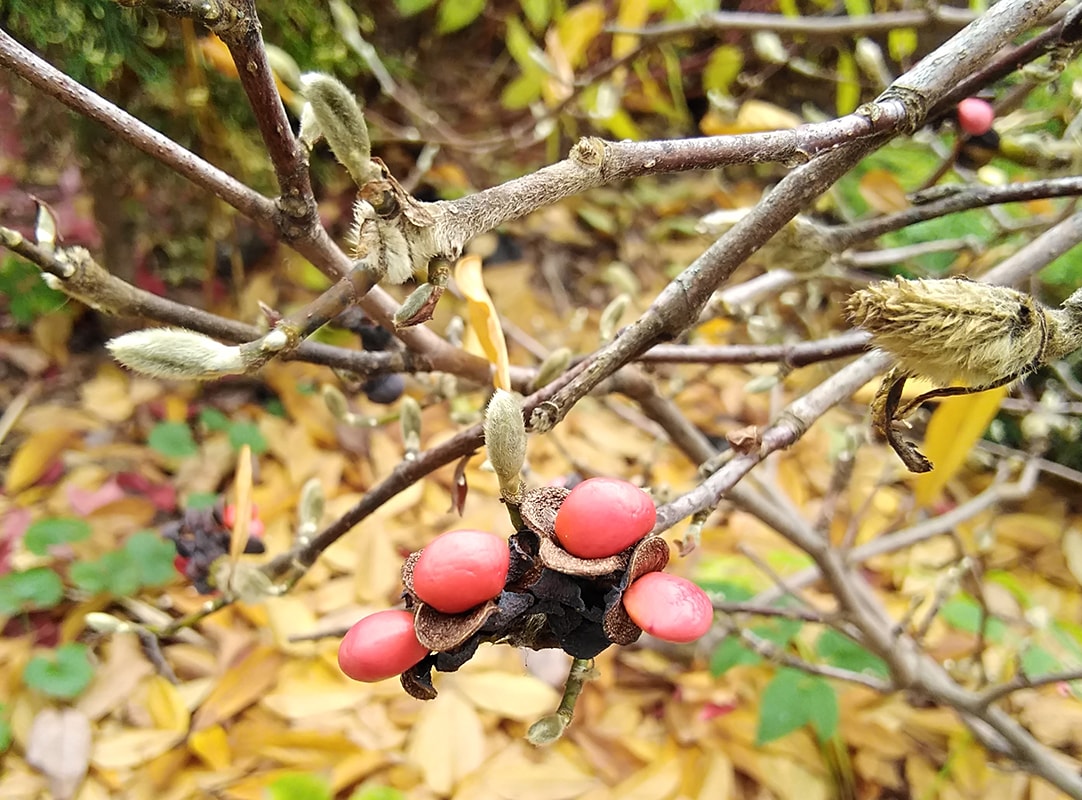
{"type": "Point", "coordinates": [484, 321]}
{"type": "Point", "coordinates": [955, 427]}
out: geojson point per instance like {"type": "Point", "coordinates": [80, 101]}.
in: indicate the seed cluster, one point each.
{"type": "Point", "coordinates": [548, 597]}
{"type": "Point", "coordinates": [202, 536]}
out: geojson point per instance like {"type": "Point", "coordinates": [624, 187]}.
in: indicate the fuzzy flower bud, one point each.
{"type": "Point", "coordinates": [341, 123]}
{"type": "Point", "coordinates": [505, 438]}
{"type": "Point", "coordinates": [410, 419]}
{"type": "Point", "coordinates": [176, 353]}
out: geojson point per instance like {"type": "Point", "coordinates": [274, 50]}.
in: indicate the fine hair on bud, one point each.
{"type": "Point", "coordinates": [176, 353]}
{"type": "Point", "coordinates": [341, 123]}
{"type": "Point", "coordinates": [505, 439]}
{"type": "Point", "coordinates": [957, 330]}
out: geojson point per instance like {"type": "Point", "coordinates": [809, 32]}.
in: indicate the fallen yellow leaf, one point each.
{"type": "Point", "coordinates": [952, 431]}
{"type": "Point", "coordinates": [241, 685]}
{"type": "Point", "coordinates": [484, 319]}
{"type": "Point", "coordinates": [211, 746]}
{"type": "Point", "coordinates": [166, 706]}
{"type": "Point", "coordinates": [33, 457]}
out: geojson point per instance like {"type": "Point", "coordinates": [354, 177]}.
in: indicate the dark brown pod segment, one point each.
{"type": "Point", "coordinates": [442, 632]}
{"type": "Point", "coordinates": [407, 571]}
{"type": "Point", "coordinates": [539, 508]}
{"type": "Point", "coordinates": [417, 681]}
{"type": "Point", "coordinates": [650, 555]}
{"type": "Point", "coordinates": [556, 558]}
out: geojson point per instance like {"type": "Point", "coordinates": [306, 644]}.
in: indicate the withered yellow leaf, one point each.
{"type": "Point", "coordinates": [166, 705]}
{"type": "Point", "coordinates": [952, 431]}
{"type": "Point", "coordinates": [130, 748]}
{"type": "Point", "coordinates": [519, 697]}
{"type": "Point", "coordinates": [483, 317]}
{"type": "Point", "coordinates": [107, 395]}
{"type": "Point", "coordinates": [520, 773]}
{"type": "Point", "coordinates": [241, 685]}
{"type": "Point", "coordinates": [447, 742]}
{"type": "Point", "coordinates": [577, 28]}
{"type": "Point", "coordinates": [211, 746]}
{"type": "Point", "coordinates": [657, 781]}
{"type": "Point", "coordinates": [882, 190]}
{"type": "Point", "coordinates": [33, 457]}
{"type": "Point", "coordinates": [1072, 552]}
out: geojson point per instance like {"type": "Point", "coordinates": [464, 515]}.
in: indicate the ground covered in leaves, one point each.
{"type": "Point", "coordinates": [250, 703]}
{"type": "Point", "coordinates": [110, 455]}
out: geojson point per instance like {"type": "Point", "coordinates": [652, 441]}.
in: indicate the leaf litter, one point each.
{"type": "Point", "coordinates": [253, 704]}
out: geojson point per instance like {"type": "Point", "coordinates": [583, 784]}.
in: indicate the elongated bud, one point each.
{"type": "Point", "coordinates": [101, 622]}
{"type": "Point", "coordinates": [176, 353]}
{"type": "Point", "coordinates": [309, 509]}
{"type": "Point", "coordinates": [283, 66]}
{"type": "Point", "coordinates": [952, 329]}
{"type": "Point", "coordinates": [547, 730]}
{"type": "Point", "coordinates": [505, 439]}
{"type": "Point", "coordinates": [336, 403]}
{"type": "Point", "coordinates": [410, 418]}
{"type": "Point", "coordinates": [45, 228]}
{"type": "Point", "coordinates": [557, 361]}
{"type": "Point", "coordinates": [611, 316]}
{"type": "Point", "coordinates": [342, 124]}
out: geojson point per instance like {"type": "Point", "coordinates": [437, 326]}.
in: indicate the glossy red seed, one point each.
{"type": "Point", "coordinates": [256, 528]}
{"type": "Point", "coordinates": [975, 116]}
{"type": "Point", "coordinates": [380, 646]}
{"type": "Point", "coordinates": [461, 569]}
{"type": "Point", "coordinates": [180, 564]}
{"type": "Point", "coordinates": [669, 607]}
{"type": "Point", "coordinates": [602, 516]}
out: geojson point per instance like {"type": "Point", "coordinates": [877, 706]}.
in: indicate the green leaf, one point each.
{"type": "Point", "coordinates": [520, 92]}
{"type": "Point", "coordinates": [731, 653]}
{"type": "Point", "coordinates": [964, 613]}
{"type": "Point", "coordinates": [5, 733]}
{"type": "Point", "coordinates": [792, 700]}
{"type": "Point", "coordinates": [122, 573]}
{"type": "Point", "coordinates": [33, 588]}
{"type": "Point", "coordinates": [152, 556]}
{"type": "Point", "coordinates": [247, 433]}
{"type": "Point", "coordinates": [45, 533]}
{"type": "Point", "coordinates": [173, 440]}
{"type": "Point", "coordinates": [841, 651]}
{"type": "Point", "coordinates": [299, 786]}
{"type": "Point", "coordinates": [728, 591]}
{"type": "Point", "coordinates": [214, 420]}
{"type": "Point", "coordinates": [1037, 661]}
{"type": "Point", "coordinates": [847, 96]}
{"type": "Point", "coordinates": [901, 43]}
{"type": "Point", "coordinates": [821, 704]}
{"type": "Point", "coordinates": [64, 676]}
{"type": "Point", "coordinates": [722, 69]}
{"type": "Point", "coordinates": [537, 12]}
{"type": "Point", "coordinates": [89, 576]}
{"type": "Point", "coordinates": [690, 9]}
{"type": "Point", "coordinates": [408, 8]}
{"type": "Point", "coordinates": [454, 15]}
{"type": "Point", "coordinates": [197, 501]}
{"type": "Point", "coordinates": [779, 631]}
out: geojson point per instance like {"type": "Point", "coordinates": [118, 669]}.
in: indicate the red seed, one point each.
{"type": "Point", "coordinates": [603, 516]}
{"type": "Point", "coordinates": [256, 528]}
{"type": "Point", "coordinates": [380, 646]}
{"type": "Point", "coordinates": [669, 607]}
{"type": "Point", "coordinates": [975, 116]}
{"type": "Point", "coordinates": [461, 569]}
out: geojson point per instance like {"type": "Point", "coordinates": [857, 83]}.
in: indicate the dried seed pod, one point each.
{"type": "Point", "coordinates": [949, 330]}
{"type": "Point", "coordinates": [649, 555]}
{"type": "Point", "coordinates": [443, 632]}
{"type": "Point", "coordinates": [953, 330]}
{"type": "Point", "coordinates": [555, 557]}
{"type": "Point", "coordinates": [539, 509]}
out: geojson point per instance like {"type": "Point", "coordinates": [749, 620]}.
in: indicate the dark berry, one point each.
{"type": "Point", "coordinates": [384, 389]}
